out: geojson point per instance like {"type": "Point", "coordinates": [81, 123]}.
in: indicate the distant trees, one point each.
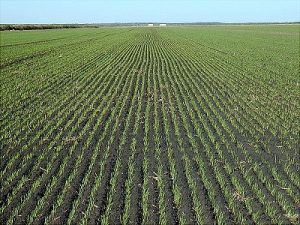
{"type": "Point", "coordinates": [40, 26]}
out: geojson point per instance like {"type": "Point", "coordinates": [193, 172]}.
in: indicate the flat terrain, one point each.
{"type": "Point", "coordinates": [150, 125]}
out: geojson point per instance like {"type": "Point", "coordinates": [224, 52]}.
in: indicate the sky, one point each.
{"type": "Point", "coordinates": [110, 11]}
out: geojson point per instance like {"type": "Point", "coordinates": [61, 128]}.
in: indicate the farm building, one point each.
{"type": "Point", "coordinates": [150, 25]}
{"type": "Point", "coordinates": [162, 25]}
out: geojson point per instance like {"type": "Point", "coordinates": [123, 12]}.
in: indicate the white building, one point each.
{"type": "Point", "coordinates": [150, 25]}
{"type": "Point", "coordinates": [162, 25]}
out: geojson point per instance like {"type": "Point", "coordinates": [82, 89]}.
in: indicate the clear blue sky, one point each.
{"type": "Point", "coordinates": [93, 11]}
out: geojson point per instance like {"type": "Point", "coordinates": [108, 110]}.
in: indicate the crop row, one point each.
{"type": "Point", "coordinates": [145, 126]}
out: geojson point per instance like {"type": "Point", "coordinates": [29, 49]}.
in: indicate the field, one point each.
{"type": "Point", "coordinates": [150, 125]}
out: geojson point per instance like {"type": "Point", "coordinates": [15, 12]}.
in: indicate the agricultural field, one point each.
{"type": "Point", "coordinates": [175, 125]}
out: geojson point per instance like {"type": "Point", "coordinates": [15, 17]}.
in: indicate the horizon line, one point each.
{"type": "Point", "coordinates": [157, 22]}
